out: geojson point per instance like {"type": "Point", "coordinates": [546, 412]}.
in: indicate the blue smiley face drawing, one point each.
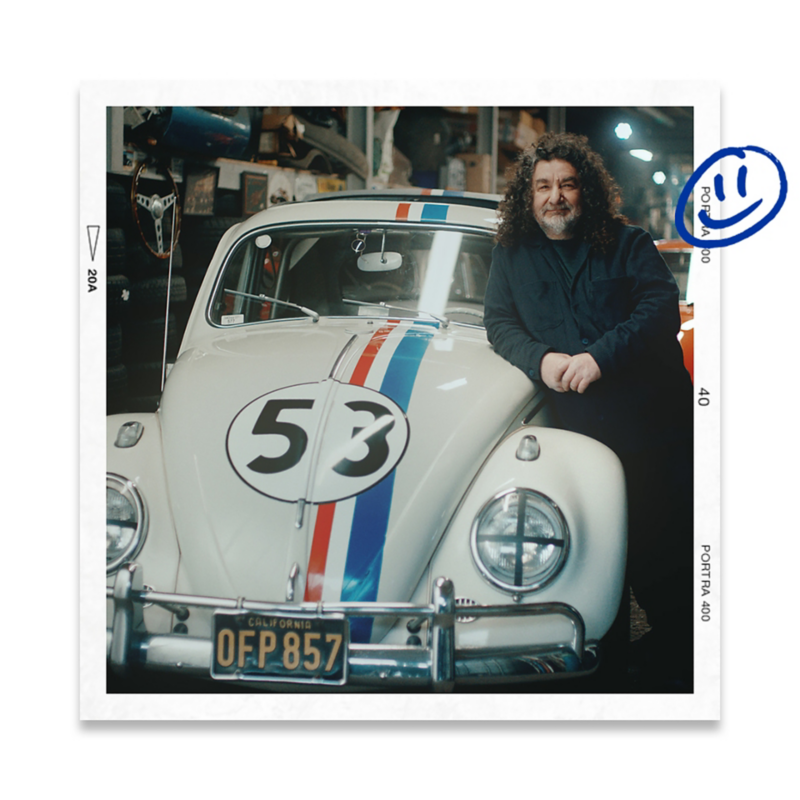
{"type": "Point", "coordinates": [752, 212]}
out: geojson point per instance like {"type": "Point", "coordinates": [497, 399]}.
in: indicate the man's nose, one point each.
{"type": "Point", "coordinates": [555, 194]}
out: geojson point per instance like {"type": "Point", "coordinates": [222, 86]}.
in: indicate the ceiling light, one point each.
{"type": "Point", "coordinates": [623, 130]}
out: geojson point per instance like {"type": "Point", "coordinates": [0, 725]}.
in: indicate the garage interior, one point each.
{"type": "Point", "coordinates": [224, 164]}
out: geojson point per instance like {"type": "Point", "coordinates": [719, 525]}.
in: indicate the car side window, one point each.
{"type": "Point", "coordinates": [250, 271]}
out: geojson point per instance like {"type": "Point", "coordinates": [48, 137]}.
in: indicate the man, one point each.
{"type": "Point", "coordinates": [583, 302]}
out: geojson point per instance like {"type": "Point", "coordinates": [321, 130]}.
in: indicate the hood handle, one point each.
{"type": "Point", "coordinates": [290, 583]}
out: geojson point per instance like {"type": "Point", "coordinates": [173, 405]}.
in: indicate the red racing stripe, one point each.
{"type": "Point", "coordinates": [319, 552]}
{"type": "Point", "coordinates": [370, 351]}
{"type": "Point", "coordinates": [402, 211]}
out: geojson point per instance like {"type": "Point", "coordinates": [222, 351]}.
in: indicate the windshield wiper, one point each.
{"type": "Point", "coordinates": [443, 320]}
{"type": "Point", "coordinates": [265, 299]}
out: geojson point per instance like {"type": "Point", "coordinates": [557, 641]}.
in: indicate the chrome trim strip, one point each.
{"type": "Point", "coordinates": [340, 357]}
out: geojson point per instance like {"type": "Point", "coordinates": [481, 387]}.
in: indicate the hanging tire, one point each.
{"type": "Point", "coordinates": [337, 147]}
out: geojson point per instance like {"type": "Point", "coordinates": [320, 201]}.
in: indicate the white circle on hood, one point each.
{"type": "Point", "coordinates": [320, 442]}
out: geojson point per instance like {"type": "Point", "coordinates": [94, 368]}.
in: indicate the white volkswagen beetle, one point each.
{"type": "Point", "coordinates": [344, 485]}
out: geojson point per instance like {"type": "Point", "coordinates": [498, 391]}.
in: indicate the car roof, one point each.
{"type": "Point", "coordinates": [406, 206]}
{"type": "Point", "coordinates": [412, 195]}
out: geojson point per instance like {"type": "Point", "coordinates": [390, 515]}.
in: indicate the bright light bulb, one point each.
{"type": "Point", "coordinates": [623, 130]}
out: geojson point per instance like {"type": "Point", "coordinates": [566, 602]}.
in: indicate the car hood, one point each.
{"type": "Point", "coordinates": [337, 450]}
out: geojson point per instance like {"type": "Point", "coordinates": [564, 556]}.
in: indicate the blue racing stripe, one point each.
{"type": "Point", "coordinates": [434, 211]}
{"type": "Point", "coordinates": [371, 515]}
{"type": "Point", "coordinates": [402, 370]}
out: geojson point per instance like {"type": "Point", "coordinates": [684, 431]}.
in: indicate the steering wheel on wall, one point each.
{"type": "Point", "coordinates": [157, 207]}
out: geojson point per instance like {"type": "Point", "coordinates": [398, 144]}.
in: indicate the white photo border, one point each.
{"type": "Point", "coordinates": [95, 704]}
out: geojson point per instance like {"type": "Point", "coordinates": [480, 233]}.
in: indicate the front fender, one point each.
{"type": "Point", "coordinates": [586, 481]}
{"type": "Point", "coordinates": [143, 465]}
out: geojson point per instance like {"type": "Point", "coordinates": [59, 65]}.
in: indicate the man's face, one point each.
{"type": "Point", "coordinates": [556, 198]}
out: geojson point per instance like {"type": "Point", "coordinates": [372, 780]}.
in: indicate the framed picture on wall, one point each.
{"type": "Point", "coordinates": [201, 186]}
{"type": "Point", "coordinates": [254, 192]}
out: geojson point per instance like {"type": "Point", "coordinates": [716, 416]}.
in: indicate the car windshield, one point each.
{"type": "Point", "coordinates": [355, 271]}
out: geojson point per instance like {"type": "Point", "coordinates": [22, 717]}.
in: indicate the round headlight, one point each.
{"type": "Point", "coordinates": [520, 540]}
{"type": "Point", "coordinates": [126, 522]}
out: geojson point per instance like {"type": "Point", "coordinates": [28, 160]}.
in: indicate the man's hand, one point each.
{"type": "Point", "coordinates": [552, 369]}
{"type": "Point", "coordinates": [581, 371]}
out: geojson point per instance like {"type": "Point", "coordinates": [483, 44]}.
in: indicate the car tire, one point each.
{"type": "Point", "coordinates": [144, 404]}
{"type": "Point", "coordinates": [116, 249]}
{"type": "Point", "coordinates": [141, 263]}
{"type": "Point", "coordinates": [116, 389]}
{"type": "Point", "coordinates": [113, 344]}
{"type": "Point", "coordinates": [144, 379]}
{"type": "Point", "coordinates": [118, 205]}
{"type": "Point", "coordinates": [149, 296]}
{"type": "Point", "coordinates": [118, 297]}
{"type": "Point", "coordinates": [144, 339]}
{"type": "Point", "coordinates": [201, 235]}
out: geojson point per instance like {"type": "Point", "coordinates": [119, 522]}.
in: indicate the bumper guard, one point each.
{"type": "Point", "coordinates": [437, 665]}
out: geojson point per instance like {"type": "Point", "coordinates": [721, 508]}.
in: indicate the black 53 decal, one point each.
{"type": "Point", "coordinates": [318, 441]}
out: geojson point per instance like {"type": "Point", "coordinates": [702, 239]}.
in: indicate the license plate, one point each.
{"type": "Point", "coordinates": [280, 647]}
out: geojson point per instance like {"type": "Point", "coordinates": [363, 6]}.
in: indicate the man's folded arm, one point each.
{"type": "Point", "coordinates": [504, 328]}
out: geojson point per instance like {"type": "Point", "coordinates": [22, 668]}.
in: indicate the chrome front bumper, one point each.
{"type": "Point", "coordinates": [436, 665]}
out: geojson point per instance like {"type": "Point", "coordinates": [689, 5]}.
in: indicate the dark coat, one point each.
{"type": "Point", "coordinates": [622, 308]}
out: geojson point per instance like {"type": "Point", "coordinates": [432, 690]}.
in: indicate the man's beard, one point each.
{"type": "Point", "coordinates": [560, 226]}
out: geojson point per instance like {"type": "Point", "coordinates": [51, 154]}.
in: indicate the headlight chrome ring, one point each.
{"type": "Point", "coordinates": [126, 522]}
{"type": "Point", "coordinates": [520, 540]}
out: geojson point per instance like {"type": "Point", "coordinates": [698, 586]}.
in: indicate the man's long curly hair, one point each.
{"type": "Point", "coordinates": [599, 222]}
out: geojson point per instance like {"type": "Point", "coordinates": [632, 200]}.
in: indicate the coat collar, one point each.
{"type": "Point", "coordinates": [546, 251]}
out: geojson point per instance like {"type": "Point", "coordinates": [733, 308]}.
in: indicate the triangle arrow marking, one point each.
{"type": "Point", "coordinates": [93, 229]}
